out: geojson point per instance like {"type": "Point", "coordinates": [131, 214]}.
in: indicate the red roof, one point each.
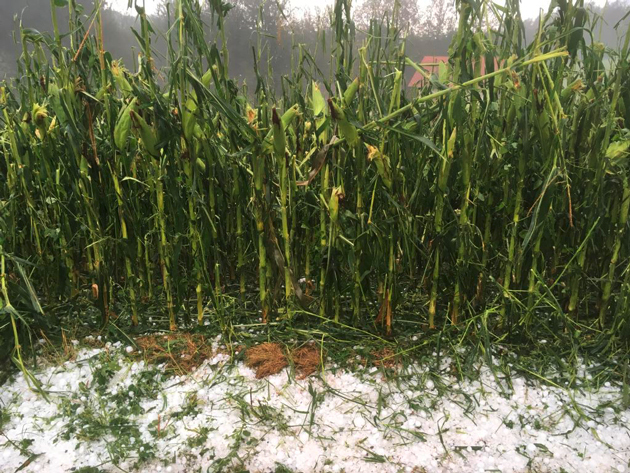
{"type": "Point", "coordinates": [431, 65]}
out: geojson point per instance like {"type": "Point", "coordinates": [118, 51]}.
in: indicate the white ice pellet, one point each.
{"type": "Point", "coordinates": [342, 422]}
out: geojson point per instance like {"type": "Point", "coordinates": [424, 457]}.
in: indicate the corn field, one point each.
{"type": "Point", "coordinates": [499, 188]}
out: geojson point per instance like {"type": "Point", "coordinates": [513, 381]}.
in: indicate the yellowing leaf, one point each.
{"type": "Point", "coordinates": [382, 163]}
{"type": "Point", "coordinates": [618, 149]}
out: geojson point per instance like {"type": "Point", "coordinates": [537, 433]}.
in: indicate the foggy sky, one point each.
{"type": "Point", "coordinates": [529, 8]}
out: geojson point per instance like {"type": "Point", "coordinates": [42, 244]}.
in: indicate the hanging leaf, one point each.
{"type": "Point", "coordinates": [333, 204]}
{"type": "Point", "coordinates": [149, 140]}
{"type": "Point", "coordinates": [121, 81]}
{"type": "Point", "coordinates": [382, 163]}
{"type": "Point", "coordinates": [618, 150]}
{"type": "Point", "coordinates": [123, 126]}
{"type": "Point", "coordinates": [346, 129]}
{"type": "Point", "coordinates": [279, 138]}
{"type": "Point", "coordinates": [318, 102]}
{"type": "Point", "coordinates": [317, 163]}
{"type": "Point", "coordinates": [188, 118]}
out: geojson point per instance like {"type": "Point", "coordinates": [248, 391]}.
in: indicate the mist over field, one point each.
{"type": "Point", "coordinates": [429, 29]}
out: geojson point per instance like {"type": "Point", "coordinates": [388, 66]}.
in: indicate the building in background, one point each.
{"type": "Point", "coordinates": [431, 64]}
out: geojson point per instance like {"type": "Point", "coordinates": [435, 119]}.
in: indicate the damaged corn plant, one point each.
{"type": "Point", "coordinates": [496, 190]}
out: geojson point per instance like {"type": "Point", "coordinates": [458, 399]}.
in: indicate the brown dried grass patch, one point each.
{"type": "Point", "coordinates": [266, 358]}
{"type": "Point", "coordinates": [56, 353]}
{"type": "Point", "coordinates": [307, 360]}
{"type": "Point", "coordinates": [93, 342]}
{"type": "Point", "coordinates": [385, 358]}
{"type": "Point", "coordinates": [180, 351]}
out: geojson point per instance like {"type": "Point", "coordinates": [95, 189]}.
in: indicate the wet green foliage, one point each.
{"type": "Point", "coordinates": [499, 187]}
